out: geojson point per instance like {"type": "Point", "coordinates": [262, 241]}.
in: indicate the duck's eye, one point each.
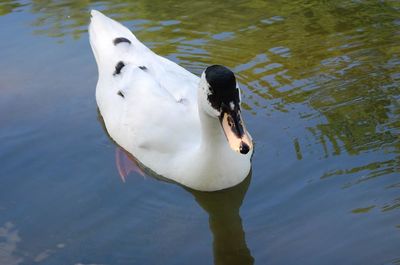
{"type": "Point", "coordinates": [230, 121]}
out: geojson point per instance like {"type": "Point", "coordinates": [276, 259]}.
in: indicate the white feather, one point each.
{"type": "Point", "coordinates": [158, 119]}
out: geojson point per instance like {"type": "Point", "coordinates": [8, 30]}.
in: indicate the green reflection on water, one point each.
{"type": "Point", "coordinates": [334, 65]}
{"type": "Point", "coordinates": [339, 58]}
{"type": "Point", "coordinates": [8, 7]}
{"type": "Point", "coordinates": [363, 210]}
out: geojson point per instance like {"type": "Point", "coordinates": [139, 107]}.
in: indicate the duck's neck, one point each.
{"type": "Point", "coordinates": [212, 165]}
{"type": "Point", "coordinates": [207, 163]}
{"type": "Point", "coordinates": [212, 135]}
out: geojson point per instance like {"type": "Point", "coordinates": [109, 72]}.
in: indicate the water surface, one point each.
{"type": "Point", "coordinates": [321, 94]}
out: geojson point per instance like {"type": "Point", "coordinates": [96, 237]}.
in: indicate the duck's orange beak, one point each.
{"type": "Point", "coordinates": [235, 131]}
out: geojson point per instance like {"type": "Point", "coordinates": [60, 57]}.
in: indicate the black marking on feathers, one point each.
{"type": "Point", "coordinates": [121, 94]}
{"type": "Point", "coordinates": [118, 68]}
{"type": "Point", "coordinates": [121, 39]}
{"type": "Point", "coordinates": [144, 68]}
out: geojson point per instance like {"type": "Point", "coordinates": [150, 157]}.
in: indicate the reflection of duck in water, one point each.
{"type": "Point", "coordinates": [226, 224]}
{"type": "Point", "coordinates": [182, 127]}
{"type": "Point", "coordinates": [223, 210]}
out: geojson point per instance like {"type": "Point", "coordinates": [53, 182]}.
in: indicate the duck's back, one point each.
{"type": "Point", "coordinates": [148, 103]}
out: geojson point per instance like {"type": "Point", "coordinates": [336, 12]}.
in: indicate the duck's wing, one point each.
{"type": "Point", "coordinates": [147, 101]}
{"type": "Point", "coordinates": [115, 46]}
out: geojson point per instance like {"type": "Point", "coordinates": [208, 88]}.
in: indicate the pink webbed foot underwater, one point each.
{"type": "Point", "coordinates": [125, 164]}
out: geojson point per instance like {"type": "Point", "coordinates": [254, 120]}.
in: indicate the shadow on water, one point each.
{"type": "Point", "coordinates": [223, 209]}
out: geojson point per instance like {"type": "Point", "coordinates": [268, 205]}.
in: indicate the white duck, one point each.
{"type": "Point", "coordinates": [182, 127]}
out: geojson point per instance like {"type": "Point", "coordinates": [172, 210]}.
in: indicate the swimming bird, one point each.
{"type": "Point", "coordinates": [182, 127]}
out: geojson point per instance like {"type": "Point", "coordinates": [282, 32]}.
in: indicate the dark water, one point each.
{"type": "Point", "coordinates": [321, 86]}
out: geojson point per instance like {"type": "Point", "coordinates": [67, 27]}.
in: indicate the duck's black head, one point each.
{"type": "Point", "coordinates": [223, 101]}
{"type": "Point", "coordinates": [223, 89]}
